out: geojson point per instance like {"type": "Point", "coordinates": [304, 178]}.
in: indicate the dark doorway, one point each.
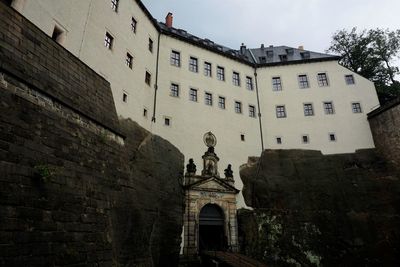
{"type": "Point", "coordinates": [211, 228]}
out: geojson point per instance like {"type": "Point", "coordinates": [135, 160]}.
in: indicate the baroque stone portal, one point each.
{"type": "Point", "coordinates": [210, 221]}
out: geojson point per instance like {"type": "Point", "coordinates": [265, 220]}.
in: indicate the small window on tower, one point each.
{"type": "Point", "coordinates": [242, 137]}
{"type": "Point", "coordinates": [125, 97]}
{"type": "Point", "coordinates": [58, 35]}
{"type": "Point", "coordinates": [279, 140]}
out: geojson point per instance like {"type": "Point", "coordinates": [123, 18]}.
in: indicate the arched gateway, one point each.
{"type": "Point", "coordinates": [210, 221]}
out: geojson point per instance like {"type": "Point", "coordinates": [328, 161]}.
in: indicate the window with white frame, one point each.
{"type": "Point", "coordinates": [249, 83]}
{"type": "Point", "coordinates": [129, 60]}
{"type": "Point", "coordinates": [279, 140]}
{"type": "Point", "coordinates": [303, 81]}
{"type": "Point", "coordinates": [252, 111]}
{"type": "Point", "coordinates": [356, 107]}
{"type": "Point", "coordinates": [221, 102]}
{"type": "Point", "coordinates": [108, 41]}
{"type": "Point", "coordinates": [349, 79]}
{"type": "Point", "coordinates": [133, 25]}
{"type": "Point", "coordinates": [238, 107]}
{"type": "Point", "coordinates": [114, 5]}
{"type": "Point", "coordinates": [328, 108]}
{"type": "Point", "coordinates": [207, 69]}
{"type": "Point", "coordinates": [280, 111]}
{"type": "Point", "coordinates": [305, 139]}
{"type": "Point", "coordinates": [208, 99]}
{"type": "Point", "coordinates": [308, 109]}
{"type": "Point", "coordinates": [322, 79]}
{"type": "Point", "coordinates": [220, 73]}
{"type": "Point", "coordinates": [332, 137]}
{"type": "Point", "coordinates": [276, 84]}
{"type": "Point", "coordinates": [193, 64]}
{"type": "Point", "coordinates": [151, 44]}
{"type": "Point", "coordinates": [174, 90]}
{"type": "Point", "coordinates": [236, 78]}
{"type": "Point", "coordinates": [193, 95]}
{"type": "Point", "coordinates": [147, 78]}
{"type": "Point", "coordinates": [175, 58]}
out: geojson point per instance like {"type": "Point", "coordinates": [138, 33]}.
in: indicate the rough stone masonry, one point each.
{"type": "Point", "coordinates": [78, 187]}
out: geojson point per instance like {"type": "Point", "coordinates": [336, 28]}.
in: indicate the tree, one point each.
{"type": "Point", "coordinates": [371, 54]}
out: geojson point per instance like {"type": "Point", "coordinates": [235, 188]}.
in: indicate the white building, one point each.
{"type": "Point", "coordinates": [180, 86]}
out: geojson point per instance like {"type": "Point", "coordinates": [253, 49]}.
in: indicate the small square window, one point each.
{"type": "Point", "coordinates": [236, 79]}
{"type": "Point", "coordinates": [133, 25]}
{"type": "Point", "coordinates": [220, 73]}
{"type": "Point", "coordinates": [145, 112]}
{"type": "Point", "coordinates": [108, 41]}
{"type": "Point", "coordinates": [356, 107]}
{"type": "Point", "coordinates": [305, 139]}
{"type": "Point", "coordinates": [308, 109]}
{"type": "Point", "coordinates": [147, 78]}
{"type": "Point", "coordinates": [193, 95]}
{"type": "Point", "coordinates": [114, 5]}
{"type": "Point", "coordinates": [332, 137]}
{"type": "Point", "coordinates": [249, 83]}
{"type": "Point", "coordinates": [174, 90]}
{"type": "Point", "coordinates": [207, 69]}
{"type": "Point", "coordinates": [151, 43]}
{"type": "Point", "coordinates": [125, 97]}
{"type": "Point", "coordinates": [328, 108]}
{"type": "Point", "coordinates": [279, 140]}
{"type": "Point", "coordinates": [276, 84]}
{"type": "Point", "coordinates": [221, 102]}
{"type": "Point", "coordinates": [283, 58]}
{"type": "Point", "coordinates": [193, 64]}
{"type": "Point", "coordinates": [208, 100]}
{"type": "Point", "coordinates": [238, 107]}
{"type": "Point", "coordinates": [262, 59]}
{"type": "Point", "coordinates": [167, 121]}
{"type": "Point", "coordinates": [175, 58]}
{"type": "Point", "coordinates": [280, 112]}
{"type": "Point", "coordinates": [129, 60]}
{"type": "Point", "coordinates": [242, 137]}
{"type": "Point", "coordinates": [349, 79]}
{"type": "Point", "coordinates": [303, 81]}
{"type": "Point", "coordinates": [322, 79]}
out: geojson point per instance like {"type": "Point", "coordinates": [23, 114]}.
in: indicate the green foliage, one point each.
{"type": "Point", "coordinates": [45, 172]}
{"type": "Point", "coordinates": [371, 54]}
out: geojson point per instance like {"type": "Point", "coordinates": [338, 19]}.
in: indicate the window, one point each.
{"type": "Point", "coordinates": [270, 53]}
{"type": "Point", "coordinates": [242, 138]}
{"type": "Point", "coordinates": [58, 35]}
{"type": "Point", "coordinates": [308, 109]}
{"type": "Point", "coordinates": [193, 64]}
{"type": "Point", "coordinates": [305, 139]}
{"type": "Point", "coordinates": [322, 79]}
{"type": "Point", "coordinates": [108, 41]}
{"type": "Point", "coordinates": [252, 111]}
{"type": "Point", "coordinates": [208, 99]}
{"type": "Point", "coordinates": [249, 83]}
{"type": "Point", "coordinates": [276, 84]}
{"type": "Point", "coordinates": [207, 69]}
{"type": "Point", "coordinates": [114, 5]}
{"type": "Point", "coordinates": [332, 137]}
{"type": "Point", "coordinates": [193, 95]}
{"type": "Point", "coordinates": [167, 121]}
{"type": "Point", "coordinates": [145, 112]}
{"type": "Point", "coordinates": [238, 107]}
{"type": "Point", "coordinates": [147, 78]}
{"type": "Point", "coordinates": [349, 79]}
{"type": "Point", "coordinates": [151, 45]}
{"type": "Point", "coordinates": [133, 25]}
{"type": "Point", "coordinates": [283, 58]}
{"type": "Point", "coordinates": [174, 90]}
{"type": "Point", "coordinates": [129, 60]}
{"type": "Point", "coordinates": [280, 112]}
{"type": "Point", "coordinates": [279, 140]}
{"type": "Point", "coordinates": [328, 107]}
{"type": "Point", "coordinates": [175, 58]}
{"type": "Point", "coordinates": [305, 55]}
{"type": "Point", "coordinates": [356, 107]}
{"type": "Point", "coordinates": [221, 102]}
{"type": "Point", "coordinates": [262, 59]}
{"type": "Point", "coordinates": [303, 81]}
{"type": "Point", "coordinates": [220, 73]}
{"type": "Point", "coordinates": [125, 97]}
{"type": "Point", "coordinates": [236, 79]}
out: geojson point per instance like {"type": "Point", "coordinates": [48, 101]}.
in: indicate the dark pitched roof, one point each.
{"type": "Point", "coordinates": [268, 56]}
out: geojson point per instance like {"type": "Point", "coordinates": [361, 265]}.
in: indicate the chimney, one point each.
{"type": "Point", "coordinates": [301, 47]}
{"type": "Point", "coordinates": [169, 20]}
{"type": "Point", "coordinates": [262, 46]}
{"type": "Point", "coordinates": [242, 49]}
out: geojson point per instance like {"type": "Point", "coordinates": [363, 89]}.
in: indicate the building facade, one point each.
{"type": "Point", "coordinates": [180, 86]}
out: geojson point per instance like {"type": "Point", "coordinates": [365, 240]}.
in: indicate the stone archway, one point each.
{"type": "Point", "coordinates": [211, 228]}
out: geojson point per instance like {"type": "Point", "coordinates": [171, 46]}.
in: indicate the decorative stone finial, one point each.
{"type": "Point", "coordinates": [191, 168]}
{"type": "Point", "coordinates": [228, 172]}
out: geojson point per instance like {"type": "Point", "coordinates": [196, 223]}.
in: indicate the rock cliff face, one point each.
{"type": "Point", "coordinates": [315, 210]}
{"type": "Point", "coordinates": [78, 187]}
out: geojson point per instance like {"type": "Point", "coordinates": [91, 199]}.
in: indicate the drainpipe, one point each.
{"type": "Point", "coordinates": [153, 118]}
{"type": "Point", "coordinates": [258, 100]}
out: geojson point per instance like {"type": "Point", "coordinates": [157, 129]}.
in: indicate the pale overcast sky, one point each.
{"type": "Point", "coordinates": [284, 22]}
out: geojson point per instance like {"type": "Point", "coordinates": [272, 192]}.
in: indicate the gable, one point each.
{"type": "Point", "coordinates": [212, 184]}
